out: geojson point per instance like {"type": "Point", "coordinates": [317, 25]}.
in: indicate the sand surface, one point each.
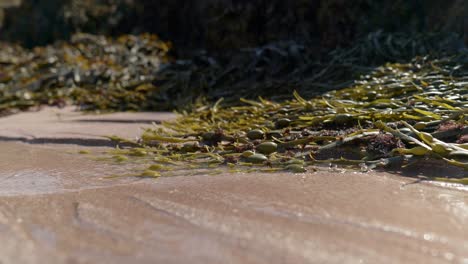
{"type": "Point", "coordinates": [57, 206]}
{"type": "Point", "coordinates": [55, 125]}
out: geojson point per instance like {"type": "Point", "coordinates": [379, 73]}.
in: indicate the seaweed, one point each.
{"type": "Point", "coordinates": [94, 72]}
{"type": "Point", "coordinates": [398, 114]}
{"type": "Point", "coordinates": [137, 72]}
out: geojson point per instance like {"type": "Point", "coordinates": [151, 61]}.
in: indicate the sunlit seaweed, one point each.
{"type": "Point", "coordinates": [398, 114]}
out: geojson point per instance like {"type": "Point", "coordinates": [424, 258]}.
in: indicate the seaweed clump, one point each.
{"type": "Point", "coordinates": [94, 72]}
{"type": "Point", "coordinates": [396, 115]}
{"type": "Point", "coordinates": [136, 72]}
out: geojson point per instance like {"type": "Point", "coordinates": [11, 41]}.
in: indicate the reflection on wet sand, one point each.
{"type": "Point", "coordinates": [55, 204]}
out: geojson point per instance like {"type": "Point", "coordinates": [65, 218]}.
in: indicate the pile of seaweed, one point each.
{"type": "Point", "coordinates": [136, 72]}
{"type": "Point", "coordinates": [94, 72]}
{"type": "Point", "coordinates": [398, 114]}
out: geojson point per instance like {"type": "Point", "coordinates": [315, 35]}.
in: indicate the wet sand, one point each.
{"type": "Point", "coordinates": [54, 125]}
{"type": "Point", "coordinates": [57, 207]}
